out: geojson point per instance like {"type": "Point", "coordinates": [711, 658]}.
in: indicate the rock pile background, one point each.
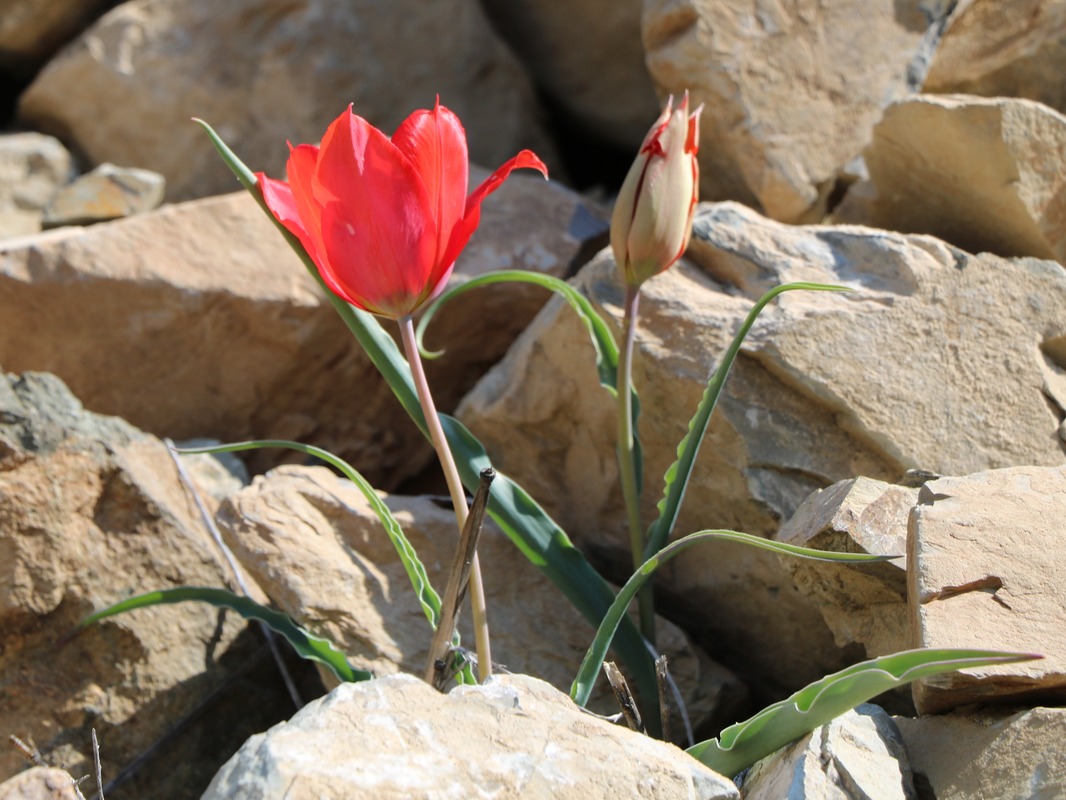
{"type": "Point", "coordinates": [912, 151]}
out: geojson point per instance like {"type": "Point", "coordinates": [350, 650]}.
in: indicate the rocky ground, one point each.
{"type": "Point", "coordinates": [910, 151]}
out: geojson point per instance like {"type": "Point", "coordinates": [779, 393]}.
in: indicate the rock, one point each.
{"type": "Point", "coordinates": [106, 193]}
{"type": "Point", "coordinates": [864, 604]}
{"type": "Point", "coordinates": [994, 753]}
{"type": "Point", "coordinates": [790, 91]}
{"type": "Point", "coordinates": [311, 541]}
{"type": "Point", "coordinates": [32, 167]}
{"type": "Point", "coordinates": [515, 737]}
{"type": "Point", "coordinates": [93, 511]}
{"type": "Point", "coordinates": [995, 50]}
{"type": "Point", "coordinates": [39, 783]}
{"type": "Point", "coordinates": [971, 171]}
{"type": "Point", "coordinates": [986, 571]}
{"type": "Point", "coordinates": [802, 409]}
{"type": "Point", "coordinates": [858, 755]}
{"type": "Point", "coordinates": [562, 46]}
{"type": "Point", "coordinates": [153, 64]}
{"type": "Point", "coordinates": [32, 30]}
{"type": "Point", "coordinates": [198, 320]}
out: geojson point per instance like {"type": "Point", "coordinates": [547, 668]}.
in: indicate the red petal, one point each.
{"type": "Point", "coordinates": [435, 143]}
{"type": "Point", "coordinates": [281, 200]}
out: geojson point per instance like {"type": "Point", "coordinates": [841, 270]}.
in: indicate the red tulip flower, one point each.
{"type": "Point", "coordinates": [384, 220]}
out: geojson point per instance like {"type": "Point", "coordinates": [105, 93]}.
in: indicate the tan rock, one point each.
{"type": "Point", "coordinates": [790, 91]}
{"type": "Point", "coordinates": [516, 737]}
{"type": "Point", "coordinates": [198, 320]}
{"type": "Point", "coordinates": [986, 571]}
{"type": "Point", "coordinates": [243, 78]}
{"type": "Point", "coordinates": [860, 754]}
{"type": "Point", "coordinates": [829, 386]}
{"type": "Point", "coordinates": [994, 49]}
{"type": "Point", "coordinates": [31, 30]}
{"type": "Point", "coordinates": [969, 170]}
{"type": "Point", "coordinates": [563, 45]}
{"type": "Point", "coordinates": [106, 193]}
{"type": "Point", "coordinates": [39, 783]}
{"type": "Point", "coordinates": [864, 604]}
{"type": "Point", "coordinates": [994, 753]}
{"type": "Point", "coordinates": [92, 512]}
{"type": "Point", "coordinates": [32, 167]}
{"type": "Point", "coordinates": [311, 541]}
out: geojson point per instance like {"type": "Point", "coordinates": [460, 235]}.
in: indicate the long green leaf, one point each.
{"type": "Point", "coordinates": [676, 479]}
{"type": "Point", "coordinates": [741, 745]}
{"type": "Point", "coordinates": [416, 571]}
{"type": "Point", "coordinates": [523, 521]}
{"type": "Point", "coordinates": [305, 643]}
{"type": "Point", "coordinates": [590, 666]}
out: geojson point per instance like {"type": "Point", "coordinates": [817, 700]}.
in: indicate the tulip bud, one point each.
{"type": "Point", "coordinates": [652, 219]}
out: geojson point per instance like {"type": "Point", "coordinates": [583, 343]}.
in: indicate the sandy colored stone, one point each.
{"type": "Point", "coordinates": [994, 753]}
{"type": "Point", "coordinates": [515, 737]}
{"type": "Point", "coordinates": [969, 170]}
{"type": "Point", "coordinates": [32, 167]}
{"type": "Point", "coordinates": [32, 30]}
{"type": "Point", "coordinates": [91, 512]}
{"type": "Point", "coordinates": [790, 91]}
{"type": "Point", "coordinates": [125, 90]}
{"type": "Point", "coordinates": [864, 604]}
{"type": "Point", "coordinates": [39, 783]}
{"type": "Point", "coordinates": [987, 571]}
{"type": "Point", "coordinates": [562, 45]}
{"type": "Point", "coordinates": [198, 320]}
{"type": "Point", "coordinates": [312, 542]}
{"type": "Point", "coordinates": [997, 49]}
{"type": "Point", "coordinates": [858, 755]}
{"type": "Point", "coordinates": [895, 376]}
{"type": "Point", "coordinates": [106, 193]}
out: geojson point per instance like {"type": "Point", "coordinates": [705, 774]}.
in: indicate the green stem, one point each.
{"type": "Point", "coordinates": [455, 489]}
{"type": "Point", "coordinates": [626, 457]}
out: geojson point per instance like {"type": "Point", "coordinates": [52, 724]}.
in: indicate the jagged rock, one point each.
{"type": "Point", "coordinates": [92, 512]}
{"type": "Point", "coordinates": [315, 546]}
{"type": "Point", "coordinates": [32, 30]}
{"type": "Point", "coordinates": [994, 49]}
{"type": "Point", "coordinates": [919, 368]}
{"type": "Point", "coordinates": [39, 783]}
{"type": "Point", "coordinates": [106, 193]}
{"type": "Point", "coordinates": [864, 604]}
{"type": "Point", "coordinates": [138, 63]}
{"type": "Point", "coordinates": [970, 170]}
{"type": "Point", "coordinates": [859, 755]}
{"type": "Point", "coordinates": [994, 753]}
{"type": "Point", "coordinates": [515, 737]}
{"type": "Point", "coordinates": [32, 167]}
{"type": "Point", "coordinates": [198, 320]}
{"type": "Point", "coordinates": [562, 45]}
{"type": "Point", "coordinates": [790, 91]}
{"type": "Point", "coordinates": [987, 571]}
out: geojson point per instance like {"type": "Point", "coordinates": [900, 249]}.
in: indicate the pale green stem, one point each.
{"type": "Point", "coordinates": [455, 489]}
{"type": "Point", "coordinates": [626, 457]}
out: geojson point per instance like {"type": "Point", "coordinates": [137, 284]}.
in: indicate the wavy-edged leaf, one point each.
{"type": "Point", "coordinates": [741, 745]}
{"type": "Point", "coordinates": [676, 479]}
{"type": "Point", "coordinates": [519, 516]}
{"type": "Point", "coordinates": [590, 666]}
{"type": "Point", "coordinates": [305, 643]}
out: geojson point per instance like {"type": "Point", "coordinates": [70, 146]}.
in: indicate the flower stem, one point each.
{"type": "Point", "coordinates": [627, 457]}
{"type": "Point", "coordinates": [455, 489]}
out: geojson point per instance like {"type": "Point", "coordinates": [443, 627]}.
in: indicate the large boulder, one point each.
{"type": "Point", "coordinates": [266, 71]}
{"type": "Point", "coordinates": [515, 737]}
{"type": "Point", "coordinates": [791, 91]}
{"type": "Point", "coordinates": [918, 368]}
{"type": "Point", "coordinates": [32, 30]}
{"type": "Point", "coordinates": [93, 511]}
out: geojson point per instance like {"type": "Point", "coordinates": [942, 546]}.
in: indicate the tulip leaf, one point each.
{"type": "Point", "coordinates": [676, 479]}
{"type": "Point", "coordinates": [741, 745]}
{"type": "Point", "coordinates": [524, 522]}
{"type": "Point", "coordinates": [305, 643]}
{"type": "Point", "coordinates": [593, 661]}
